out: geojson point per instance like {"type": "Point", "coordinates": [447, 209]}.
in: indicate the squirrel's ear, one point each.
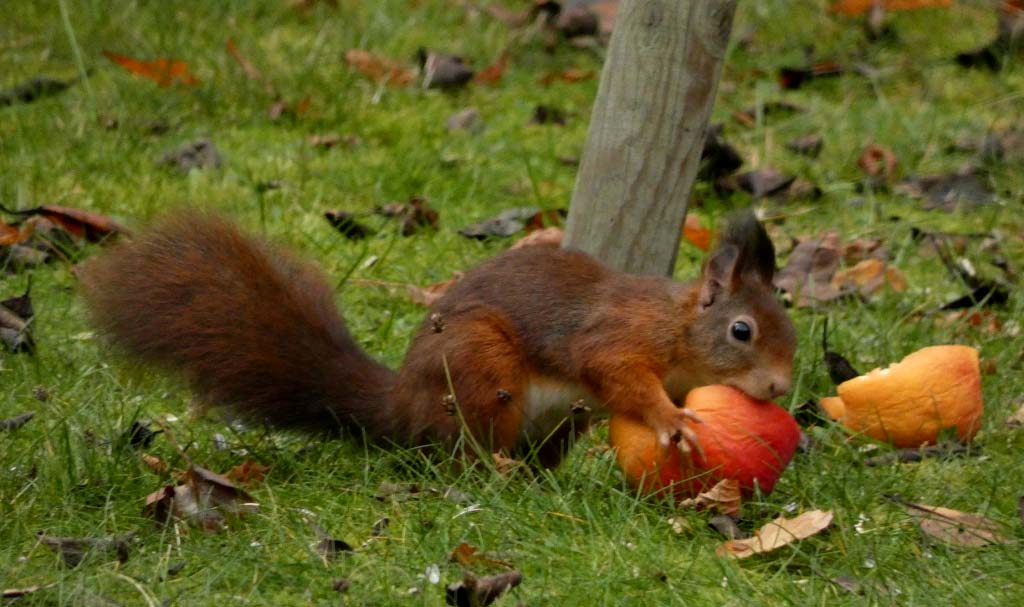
{"type": "Point", "coordinates": [718, 274]}
{"type": "Point", "coordinates": [756, 251]}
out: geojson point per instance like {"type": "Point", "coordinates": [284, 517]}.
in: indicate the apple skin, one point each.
{"type": "Point", "coordinates": [744, 439]}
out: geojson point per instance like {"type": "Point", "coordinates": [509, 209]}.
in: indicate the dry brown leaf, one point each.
{"type": "Point", "coordinates": [426, 296]}
{"type": "Point", "coordinates": [164, 72]}
{"type": "Point", "coordinates": [725, 497]}
{"type": "Point", "coordinates": [570, 75]}
{"type": "Point", "coordinates": [956, 528]}
{"type": "Point", "coordinates": [869, 276]}
{"type": "Point", "coordinates": [469, 555]}
{"type": "Point", "coordinates": [478, 592]}
{"type": "Point", "coordinates": [248, 471]}
{"type": "Point", "coordinates": [878, 161]}
{"type": "Point", "coordinates": [807, 275]}
{"type": "Point", "coordinates": [78, 222]}
{"type": "Point", "coordinates": [856, 8]}
{"type": "Point", "coordinates": [154, 463]}
{"type": "Point", "coordinates": [550, 237]}
{"type": "Point", "coordinates": [695, 233]}
{"type": "Point", "coordinates": [199, 498]}
{"type": "Point", "coordinates": [506, 466]}
{"type": "Point", "coordinates": [492, 73]}
{"type": "Point", "coordinates": [778, 533]}
{"type": "Point", "coordinates": [379, 69]}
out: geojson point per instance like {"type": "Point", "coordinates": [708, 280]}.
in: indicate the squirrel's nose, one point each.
{"type": "Point", "coordinates": [779, 386]}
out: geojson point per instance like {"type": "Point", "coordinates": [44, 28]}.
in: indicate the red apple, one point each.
{"type": "Point", "coordinates": [741, 438]}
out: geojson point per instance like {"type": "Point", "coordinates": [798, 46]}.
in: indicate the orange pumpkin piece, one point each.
{"type": "Point", "coordinates": [911, 402]}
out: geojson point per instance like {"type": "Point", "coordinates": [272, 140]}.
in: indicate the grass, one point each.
{"type": "Point", "coordinates": [578, 534]}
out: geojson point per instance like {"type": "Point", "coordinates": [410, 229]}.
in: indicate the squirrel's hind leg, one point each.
{"type": "Point", "coordinates": [465, 372]}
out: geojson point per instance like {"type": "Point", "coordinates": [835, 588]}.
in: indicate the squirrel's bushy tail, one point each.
{"type": "Point", "coordinates": [249, 327]}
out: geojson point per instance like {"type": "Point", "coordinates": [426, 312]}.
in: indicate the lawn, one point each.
{"type": "Point", "coordinates": [578, 534]}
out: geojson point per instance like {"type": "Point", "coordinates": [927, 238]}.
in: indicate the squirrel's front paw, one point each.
{"type": "Point", "coordinates": [674, 427]}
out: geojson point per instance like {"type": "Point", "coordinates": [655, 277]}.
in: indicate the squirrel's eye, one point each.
{"type": "Point", "coordinates": [741, 331]}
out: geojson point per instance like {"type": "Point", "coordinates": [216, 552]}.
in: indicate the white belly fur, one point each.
{"type": "Point", "coordinates": [547, 403]}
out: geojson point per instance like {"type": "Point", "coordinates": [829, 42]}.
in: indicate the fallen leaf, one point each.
{"type": "Point", "coordinates": [282, 107]}
{"type": "Point", "coordinates": [16, 316]}
{"type": "Point", "coordinates": [807, 275]}
{"type": "Point", "coordinates": [13, 423]}
{"type": "Point", "coordinates": [491, 75]}
{"type": "Point", "coordinates": [964, 189]}
{"type": "Point", "coordinates": [807, 145]}
{"type": "Point", "coordinates": [201, 154]}
{"type": "Point", "coordinates": [869, 276]}
{"type": "Point", "coordinates": [248, 67]}
{"type": "Point", "coordinates": [415, 214]}
{"type": "Point", "coordinates": [428, 295]}
{"type": "Point", "coordinates": [200, 497]}
{"type": "Point", "coordinates": [164, 72]}
{"type": "Point", "coordinates": [73, 550]}
{"type": "Point", "coordinates": [780, 532]}
{"type": "Point", "coordinates": [138, 435]}
{"type": "Point", "coordinates": [328, 547]}
{"type": "Point", "coordinates": [249, 471]}
{"type": "Point", "coordinates": [341, 585]}
{"type": "Point", "coordinates": [988, 294]}
{"type": "Point", "coordinates": [346, 223]}
{"type": "Point", "coordinates": [507, 466]}
{"type": "Point", "coordinates": [878, 161]}
{"type": "Point", "coordinates": [859, 249]}
{"type": "Point", "coordinates": [695, 233]}
{"type": "Point", "coordinates": [766, 181]}
{"type": "Point", "coordinates": [855, 8]}
{"type": "Point", "coordinates": [956, 528]}
{"type": "Point", "coordinates": [792, 78]}
{"type": "Point", "coordinates": [504, 224]}
{"type": "Point", "coordinates": [442, 71]}
{"type": "Point", "coordinates": [570, 75]}
{"type": "Point", "coordinates": [726, 526]}
{"type": "Point", "coordinates": [91, 226]}
{"type": "Point", "coordinates": [379, 69]}
{"type": "Point", "coordinates": [478, 592]}
{"type": "Point", "coordinates": [748, 116]}
{"type": "Point", "coordinates": [466, 120]}
{"type": "Point", "coordinates": [34, 89]}
{"type": "Point", "coordinates": [469, 555]}
{"type": "Point", "coordinates": [546, 114]}
{"type": "Point", "coordinates": [154, 463]}
{"type": "Point", "coordinates": [725, 497]}
{"type": "Point", "coordinates": [551, 237]}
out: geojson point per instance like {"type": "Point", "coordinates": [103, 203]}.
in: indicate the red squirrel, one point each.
{"type": "Point", "coordinates": [519, 351]}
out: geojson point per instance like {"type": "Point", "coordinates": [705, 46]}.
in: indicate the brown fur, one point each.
{"type": "Point", "coordinates": [257, 331]}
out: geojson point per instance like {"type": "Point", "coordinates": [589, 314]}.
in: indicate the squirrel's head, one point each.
{"type": "Point", "coordinates": [746, 339]}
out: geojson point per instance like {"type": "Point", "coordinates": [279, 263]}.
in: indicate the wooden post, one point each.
{"type": "Point", "coordinates": [647, 130]}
